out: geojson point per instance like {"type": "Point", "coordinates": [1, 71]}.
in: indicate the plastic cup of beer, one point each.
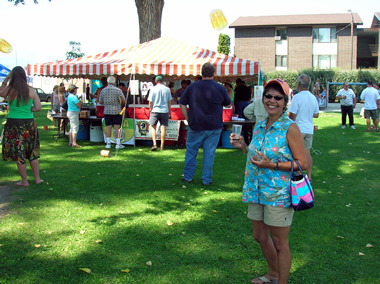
{"type": "Point", "coordinates": [218, 20]}
{"type": "Point", "coordinates": [236, 130]}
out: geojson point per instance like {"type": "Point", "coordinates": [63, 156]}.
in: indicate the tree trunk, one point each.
{"type": "Point", "coordinates": [150, 14]}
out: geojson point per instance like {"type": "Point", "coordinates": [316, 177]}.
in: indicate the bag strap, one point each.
{"type": "Point", "coordinates": [292, 168]}
{"type": "Point", "coordinates": [299, 166]}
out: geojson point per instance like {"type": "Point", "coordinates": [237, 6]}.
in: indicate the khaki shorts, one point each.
{"type": "Point", "coordinates": [307, 140]}
{"type": "Point", "coordinates": [271, 215]}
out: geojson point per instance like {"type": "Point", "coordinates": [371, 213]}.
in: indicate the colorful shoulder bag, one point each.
{"type": "Point", "coordinates": [300, 190]}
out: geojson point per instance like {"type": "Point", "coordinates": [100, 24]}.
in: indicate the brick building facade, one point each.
{"type": "Point", "coordinates": [295, 42]}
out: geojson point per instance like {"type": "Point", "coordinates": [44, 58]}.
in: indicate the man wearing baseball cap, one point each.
{"type": "Point", "coordinates": [160, 101]}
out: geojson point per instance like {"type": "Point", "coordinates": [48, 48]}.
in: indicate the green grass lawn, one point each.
{"type": "Point", "coordinates": [130, 211]}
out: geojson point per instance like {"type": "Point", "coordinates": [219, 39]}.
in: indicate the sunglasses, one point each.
{"type": "Point", "coordinates": [277, 98]}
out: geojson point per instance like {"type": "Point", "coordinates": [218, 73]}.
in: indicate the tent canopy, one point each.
{"type": "Point", "coordinates": [163, 56]}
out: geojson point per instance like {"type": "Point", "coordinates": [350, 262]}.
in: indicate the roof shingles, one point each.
{"type": "Point", "coordinates": [293, 20]}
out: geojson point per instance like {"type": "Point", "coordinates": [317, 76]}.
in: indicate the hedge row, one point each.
{"type": "Point", "coordinates": [331, 75]}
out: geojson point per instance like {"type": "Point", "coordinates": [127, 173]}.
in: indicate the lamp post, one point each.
{"type": "Point", "coordinates": [352, 39]}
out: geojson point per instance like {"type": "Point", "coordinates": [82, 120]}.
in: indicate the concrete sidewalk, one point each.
{"type": "Point", "coordinates": [335, 107]}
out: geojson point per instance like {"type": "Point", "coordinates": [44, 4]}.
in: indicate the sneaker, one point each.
{"type": "Point", "coordinates": [343, 126]}
{"type": "Point", "coordinates": [119, 146]}
{"type": "Point", "coordinates": [108, 146]}
{"type": "Point", "coordinates": [352, 127]}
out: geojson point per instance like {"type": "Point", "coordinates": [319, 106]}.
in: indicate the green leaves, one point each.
{"type": "Point", "coordinates": [16, 2]}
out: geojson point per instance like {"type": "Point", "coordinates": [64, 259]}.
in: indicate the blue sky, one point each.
{"type": "Point", "coordinates": [40, 33]}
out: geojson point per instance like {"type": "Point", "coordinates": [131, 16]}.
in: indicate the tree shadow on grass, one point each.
{"type": "Point", "coordinates": [207, 241]}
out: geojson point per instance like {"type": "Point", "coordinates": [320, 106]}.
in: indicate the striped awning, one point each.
{"type": "Point", "coordinates": [163, 56]}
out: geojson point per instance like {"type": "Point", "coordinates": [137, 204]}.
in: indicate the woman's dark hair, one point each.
{"type": "Point", "coordinates": [18, 86]}
{"type": "Point", "coordinates": [278, 88]}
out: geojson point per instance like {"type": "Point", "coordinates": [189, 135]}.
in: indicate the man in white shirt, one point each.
{"type": "Point", "coordinates": [302, 110]}
{"type": "Point", "coordinates": [347, 99]}
{"type": "Point", "coordinates": [371, 99]}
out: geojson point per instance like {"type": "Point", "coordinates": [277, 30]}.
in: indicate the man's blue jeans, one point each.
{"type": "Point", "coordinates": [208, 139]}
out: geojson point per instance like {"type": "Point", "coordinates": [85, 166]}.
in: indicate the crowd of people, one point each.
{"type": "Point", "coordinates": [283, 133]}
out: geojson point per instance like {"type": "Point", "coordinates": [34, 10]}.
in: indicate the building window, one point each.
{"type": "Point", "coordinates": [324, 34]}
{"type": "Point", "coordinates": [324, 61]}
{"type": "Point", "coordinates": [282, 33]}
{"type": "Point", "coordinates": [281, 61]}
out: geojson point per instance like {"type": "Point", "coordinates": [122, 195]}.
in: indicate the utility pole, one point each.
{"type": "Point", "coordinates": [352, 39]}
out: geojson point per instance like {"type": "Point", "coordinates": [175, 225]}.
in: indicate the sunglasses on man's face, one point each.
{"type": "Point", "coordinates": [277, 98]}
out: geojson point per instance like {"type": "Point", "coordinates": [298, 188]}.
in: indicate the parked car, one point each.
{"type": "Point", "coordinates": [44, 97]}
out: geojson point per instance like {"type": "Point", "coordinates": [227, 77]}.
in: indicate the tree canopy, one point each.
{"type": "Point", "coordinates": [224, 44]}
{"type": "Point", "coordinates": [16, 2]}
{"type": "Point", "coordinates": [75, 50]}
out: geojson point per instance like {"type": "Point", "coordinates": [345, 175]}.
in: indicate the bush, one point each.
{"type": "Point", "coordinates": [331, 75]}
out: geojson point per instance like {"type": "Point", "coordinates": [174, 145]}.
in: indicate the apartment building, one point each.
{"type": "Point", "coordinates": [368, 45]}
{"type": "Point", "coordinates": [294, 42]}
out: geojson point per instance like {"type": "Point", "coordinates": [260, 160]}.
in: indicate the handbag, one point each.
{"type": "Point", "coordinates": [300, 190]}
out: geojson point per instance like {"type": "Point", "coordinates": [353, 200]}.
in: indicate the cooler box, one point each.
{"type": "Point", "coordinates": [83, 132]}
{"type": "Point", "coordinates": [141, 111]}
{"type": "Point", "coordinates": [182, 136]}
{"type": "Point", "coordinates": [226, 139]}
{"type": "Point", "coordinates": [176, 114]}
{"type": "Point", "coordinates": [227, 113]}
{"type": "Point", "coordinates": [100, 111]}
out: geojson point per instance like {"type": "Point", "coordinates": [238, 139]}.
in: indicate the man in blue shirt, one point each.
{"type": "Point", "coordinates": [205, 99]}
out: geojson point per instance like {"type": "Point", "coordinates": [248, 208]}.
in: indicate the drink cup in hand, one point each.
{"type": "Point", "coordinates": [236, 137]}
{"type": "Point", "coordinates": [236, 130]}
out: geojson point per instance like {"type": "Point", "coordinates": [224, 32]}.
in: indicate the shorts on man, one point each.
{"type": "Point", "coordinates": [371, 113]}
{"type": "Point", "coordinates": [156, 117]}
{"type": "Point", "coordinates": [113, 119]}
{"type": "Point", "coordinates": [308, 140]}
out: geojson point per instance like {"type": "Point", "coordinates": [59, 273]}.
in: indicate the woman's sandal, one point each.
{"type": "Point", "coordinates": [263, 279]}
{"type": "Point", "coordinates": [76, 146]}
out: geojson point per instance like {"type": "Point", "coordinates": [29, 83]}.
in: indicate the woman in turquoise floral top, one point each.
{"type": "Point", "coordinates": [276, 141]}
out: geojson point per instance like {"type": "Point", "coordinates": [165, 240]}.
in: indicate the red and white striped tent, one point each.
{"type": "Point", "coordinates": [163, 56]}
